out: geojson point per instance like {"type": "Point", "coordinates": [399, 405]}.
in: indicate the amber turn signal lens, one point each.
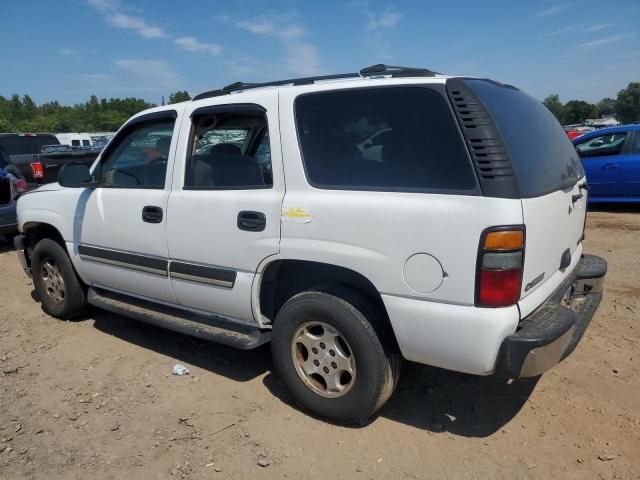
{"type": "Point", "coordinates": [504, 240]}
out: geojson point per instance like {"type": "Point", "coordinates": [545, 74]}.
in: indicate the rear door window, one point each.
{"type": "Point", "coordinates": [389, 139]}
{"type": "Point", "coordinates": [229, 150]}
{"type": "Point", "coordinates": [542, 155]}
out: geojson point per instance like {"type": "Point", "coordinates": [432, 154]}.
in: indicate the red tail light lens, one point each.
{"type": "Point", "coordinates": [21, 185]}
{"type": "Point", "coordinates": [499, 287]}
{"type": "Point", "coordinates": [500, 264]}
{"type": "Point", "coordinates": [37, 170]}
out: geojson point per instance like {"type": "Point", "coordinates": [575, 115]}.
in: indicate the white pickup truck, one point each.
{"type": "Point", "coordinates": [351, 220]}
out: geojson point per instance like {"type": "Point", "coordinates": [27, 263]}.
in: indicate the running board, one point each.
{"type": "Point", "coordinates": [202, 325]}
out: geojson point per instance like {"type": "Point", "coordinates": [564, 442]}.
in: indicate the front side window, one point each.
{"type": "Point", "coordinates": [389, 139]}
{"type": "Point", "coordinates": [602, 145]}
{"type": "Point", "coordinates": [229, 150]}
{"type": "Point", "coordinates": [139, 158]}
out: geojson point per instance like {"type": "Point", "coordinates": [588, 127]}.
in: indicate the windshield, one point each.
{"type": "Point", "coordinates": [542, 154]}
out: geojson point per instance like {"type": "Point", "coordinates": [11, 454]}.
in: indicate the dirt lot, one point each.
{"type": "Point", "coordinates": [95, 399]}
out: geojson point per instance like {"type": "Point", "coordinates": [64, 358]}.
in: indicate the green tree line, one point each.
{"type": "Point", "coordinates": [625, 107]}
{"type": "Point", "coordinates": [21, 114]}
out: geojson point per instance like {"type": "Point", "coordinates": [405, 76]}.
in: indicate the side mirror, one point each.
{"type": "Point", "coordinates": [75, 175]}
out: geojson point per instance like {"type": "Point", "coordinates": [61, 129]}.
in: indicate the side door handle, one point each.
{"type": "Point", "coordinates": [151, 214]}
{"type": "Point", "coordinates": [610, 166]}
{"type": "Point", "coordinates": [252, 221]}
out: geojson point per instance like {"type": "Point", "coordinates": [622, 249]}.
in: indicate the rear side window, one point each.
{"type": "Point", "coordinates": [389, 139]}
{"type": "Point", "coordinates": [542, 155]}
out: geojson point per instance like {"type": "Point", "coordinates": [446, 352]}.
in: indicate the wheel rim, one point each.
{"type": "Point", "coordinates": [323, 359]}
{"type": "Point", "coordinates": [52, 280]}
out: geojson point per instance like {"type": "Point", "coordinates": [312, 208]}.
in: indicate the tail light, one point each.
{"type": "Point", "coordinates": [21, 185]}
{"type": "Point", "coordinates": [500, 264]}
{"type": "Point", "coordinates": [37, 170]}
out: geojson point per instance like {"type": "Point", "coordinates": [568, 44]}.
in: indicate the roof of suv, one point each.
{"type": "Point", "coordinates": [374, 71]}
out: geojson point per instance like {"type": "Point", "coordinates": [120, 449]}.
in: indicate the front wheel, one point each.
{"type": "Point", "coordinates": [328, 352]}
{"type": "Point", "coordinates": [56, 283]}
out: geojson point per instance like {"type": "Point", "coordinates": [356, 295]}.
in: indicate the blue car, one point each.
{"type": "Point", "coordinates": [611, 159]}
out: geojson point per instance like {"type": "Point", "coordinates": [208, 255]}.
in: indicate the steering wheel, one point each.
{"type": "Point", "coordinates": [122, 172]}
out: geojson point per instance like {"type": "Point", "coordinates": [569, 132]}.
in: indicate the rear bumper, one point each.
{"type": "Point", "coordinates": [554, 329]}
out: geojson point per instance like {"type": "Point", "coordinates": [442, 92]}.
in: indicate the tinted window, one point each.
{"type": "Point", "coordinates": [139, 157]}
{"type": "Point", "coordinates": [75, 143]}
{"type": "Point", "coordinates": [636, 142]}
{"type": "Point", "coordinates": [543, 157]}
{"type": "Point", "coordinates": [399, 138]}
{"type": "Point", "coordinates": [86, 143]}
{"type": "Point", "coordinates": [602, 145]}
{"type": "Point", "coordinates": [26, 145]}
{"type": "Point", "coordinates": [229, 152]}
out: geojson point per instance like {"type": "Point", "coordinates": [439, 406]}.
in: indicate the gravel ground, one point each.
{"type": "Point", "coordinates": [96, 399]}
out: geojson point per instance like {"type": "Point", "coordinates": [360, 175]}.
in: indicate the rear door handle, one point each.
{"type": "Point", "coordinates": [151, 214]}
{"type": "Point", "coordinates": [252, 221]}
{"type": "Point", "coordinates": [610, 166]}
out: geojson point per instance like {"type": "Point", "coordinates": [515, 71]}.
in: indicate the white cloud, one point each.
{"type": "Point", "coordinates": [155, 73]}
{"type": "Point", "coordinates": [95, 76]}
{"type": "Point", "coordinates": [137, 24]}
{"type": "Point", "coordinates": [67, 51]}
{"type": "Point", "coordinates": [192, 44]}
{"type": "Point", "coordinates": [378, 25]}
{"type": "Point", "coordinates": [597, 28]}
{"type": "Point", "coordinates": [301, 56]}
{"type": "Point", "coordinates": [104, 4]}
{"type": "Point", "coordinates": [112, 11]}
{"type": "Point", "coordinates": [384, 20]}
{"type": "Point", "coordinates": [579, 28]}
{"type": "Point", "coordinates": [605, 41]}
{"type": "Point", "coordinates": [554, 10]}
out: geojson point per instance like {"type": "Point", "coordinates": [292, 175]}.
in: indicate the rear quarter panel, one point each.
{"type": "Point", "coordinates": [374, 233]}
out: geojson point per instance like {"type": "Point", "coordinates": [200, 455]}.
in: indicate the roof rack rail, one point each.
{"type": "Point", "coordinates": [292, 81]}
{"type": "Point", "coordinates": [395, 71]}
{"type": "Point", "coordinates": [379, 69]}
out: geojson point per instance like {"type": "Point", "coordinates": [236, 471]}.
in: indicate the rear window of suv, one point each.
{"type": "Point", "coordinates": [388, 139]}
{"type": "Point", "coordinates": [26, 144]}
{"type": "Point", "coordinates": [542, 155]}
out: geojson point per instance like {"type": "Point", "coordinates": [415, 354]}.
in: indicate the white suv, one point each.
{"type": "Point", "coordinates": [351, 220]}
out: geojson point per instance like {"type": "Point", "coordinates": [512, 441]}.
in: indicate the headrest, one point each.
{"type": "Point", "coordinates": [225, 148]}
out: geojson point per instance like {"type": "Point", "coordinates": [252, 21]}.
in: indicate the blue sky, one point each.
{"type": "Point", "coordinates": [66, 50]}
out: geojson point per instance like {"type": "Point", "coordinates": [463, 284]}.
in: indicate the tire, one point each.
{"type": "Point", "coordinates": [315, 315]}
{"type": "Point", "coordinates": [57, 285]}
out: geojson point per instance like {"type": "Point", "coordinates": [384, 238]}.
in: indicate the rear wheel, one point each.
{"type": "Point", "coordinates": [330, 350]}
{"type": "Point", "coordinates": [56, 283]}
